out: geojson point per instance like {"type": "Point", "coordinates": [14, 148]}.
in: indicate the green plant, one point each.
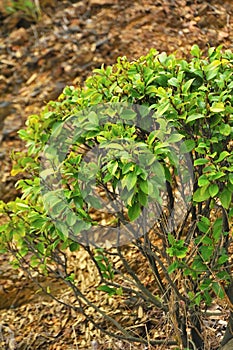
{"type": "Point", "coordinates": [29, 9]}
{"type": "Point", "coordinates": [151, 141]}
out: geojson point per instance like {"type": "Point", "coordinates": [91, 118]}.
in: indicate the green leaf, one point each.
{"type": "Point", "coordinates": [212, 69]}
{"type": "Point", "coordinates": [187, 146]}
{"type": "Point", "coordinates": [206, 240]}
{"type": "Point", "coordinates": [203, 227]}
{"type": "Point", "coordinates": [144, 186]}
{"type": "Point", "coordinates": [161, 92]}
{"type": "Point", "coordinates": [119, 291]}
{"type": "Point", "coordinates": [195, 51]}
{"type": "Point", "coordinates": [217, 229]}
{"type": "Point", "coordinates": [201, 194]}
{"type": "Point", "coordinates": [96, 98]}
{"type": "Point", "coordinates": [112, 168]}
{"type": "Point", "coordinates": [213, 190]}
{"type": "Point", "coordinates": [171, 239]}
{"type": "Point", "coordinates": [174, 138]}
{"type": "Point", "coordinates": [225, 129]}
{"type": "Point", "coordinates": [225, 198]}
{"type": "Point", "coordinates": [102, 266]}
{"type": "Point", "coordinates": [41, 247]}
{"type": "Point", "coordinates": [216, 175]}
{"type": "Point", "coordinates": [107, 289]}
{"type": "Point", "coordinates": [63, 230]}
{"type": "Point", "coordinates": [186, 86]}
{"type": "Point", "coordinates": [80, 226]}
{"type": "Point", "coordinates": [134, 211]}
{"type": "Point", "coordinates": [173, 267]}
{"type": "Point", "coordinates": [177, 248]}
{"type": "Point", "coordinates": [34, 262]}
{"type": "Point", "coordinates": [203, 181]}
{"type": "Point", "coordinates": [151, 89]}
{"type": "Point", "coordinates": [21, 205]}
{"type": "Point", "coordinates": [74, 246]}
{"type": "Point", "coordinates": [158, 169]}
{"type": "Point", "coordinates": [200, 161]}
{"type": "Point", "coordinates": [197, 299]}
{"type": "Point", "coordinates": [223, 275]}
{"type": "Point", "coordinates": [193, 117]}
{"type": "Point", "coordinates": [129, 180]}
{"type": "Point", "coordinates": [206, 284]}
{"type": "Point", "coordinates": [70, 278]}
{"type": "Point", "coordinates": [128, 114]}
{"type": "Point", "coordinates": [217, 107]}
{"type": "Point", "coordinates": [198, 265]}
{"type": "Point", "coordinates": [128, 167]}
{"type": "Point", "coordinates": [142, 198]}
{"type": "Point", "coordinates": [112, 145]}
{"type": "Point", "coordinates": [218, 290]}
{"type": "Point", "coordinates": [223, 259]}
{"type": "Point", "coordinates": [179, 252]}
{"type": "Point", "coordinates": [174, 82]}
{"type": "Point", "coordinates": [222, 156]}
{"type": "Point", "coordinates": [230, 176]}
{"type": "Point", "coordinates": [94, 202]}
{"type": "Point", "coordinates": [163, 108]}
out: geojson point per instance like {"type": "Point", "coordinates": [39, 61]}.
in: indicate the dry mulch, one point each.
{"type": "Point", "coordinates": [30, 319]}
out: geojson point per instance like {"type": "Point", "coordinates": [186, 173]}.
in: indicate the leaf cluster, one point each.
{"type": "Point", "coordinates": [27, 9]}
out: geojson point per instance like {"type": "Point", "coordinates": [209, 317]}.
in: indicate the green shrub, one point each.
{"type": "Point", "coordinates": [29, 9]}
{"type": "Point", "coordinates": [137, 163]}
